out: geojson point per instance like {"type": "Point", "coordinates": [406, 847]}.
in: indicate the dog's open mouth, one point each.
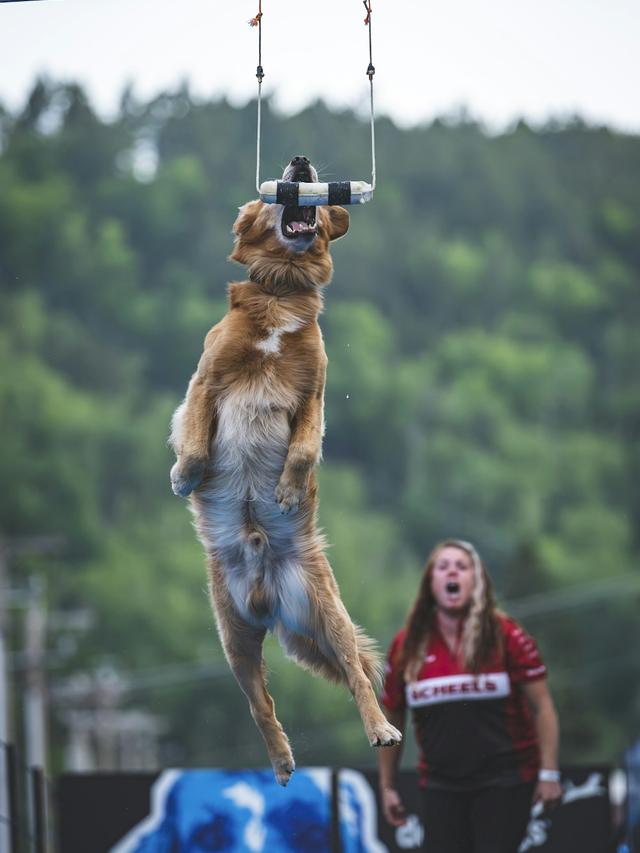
{"type": "Point", "coordinates": [299, 221]}
{"type": "Point", "coordinates": [453, 587]}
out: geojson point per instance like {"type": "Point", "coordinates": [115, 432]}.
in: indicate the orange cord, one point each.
{"type": "Point", "coordinates": [255, 21]}
{"type": "Point", "coordinates": [367, 20]}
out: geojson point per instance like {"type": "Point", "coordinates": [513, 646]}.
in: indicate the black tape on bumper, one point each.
{"type": "Point", "coordinates": [287, 193]}
{"type": "Point", "coordinates": [340, 192]}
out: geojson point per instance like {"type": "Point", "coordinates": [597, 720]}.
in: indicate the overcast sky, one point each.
{"type": "Point", "coordinates": [501, 60]}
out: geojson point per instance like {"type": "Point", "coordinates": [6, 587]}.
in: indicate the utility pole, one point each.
{"type": "Point", "coordinates": [34, 694]}
{"type": "Point", "coordinates": [34, 706]}
{"type": "Point", "coordinates": [4, 703]}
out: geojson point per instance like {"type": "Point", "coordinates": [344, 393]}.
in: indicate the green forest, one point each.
{"type": "Point", "coordinates": [482, 334]}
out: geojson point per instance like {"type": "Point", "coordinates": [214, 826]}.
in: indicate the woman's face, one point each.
{"type": "Point", "coordinates": [452, 580]}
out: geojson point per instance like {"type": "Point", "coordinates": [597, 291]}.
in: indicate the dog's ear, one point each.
{"type": "Point", "coordinates": [338, 222]}
{"type": "Point", "coordinates": [247, 215]}
{"type": "Point", "coordinates": [245, 221]}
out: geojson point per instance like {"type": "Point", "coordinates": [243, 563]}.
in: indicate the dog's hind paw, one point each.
{"type": "Point", "coordinates": [384, 734]}
{"type": "Point", "coordinates": [186, 476]}
{"type": "Point", "coordinates": [284, 770]}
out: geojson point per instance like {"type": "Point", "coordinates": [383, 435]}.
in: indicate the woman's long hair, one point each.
{"type": "Point", "coordinates": [480, 635]}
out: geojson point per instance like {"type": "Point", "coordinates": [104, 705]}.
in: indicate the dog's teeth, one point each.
{"type": "Point", "coordinates": [300, 227]}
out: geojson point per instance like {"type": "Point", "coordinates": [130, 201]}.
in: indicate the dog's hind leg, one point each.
{"type": "Point", "coordinates": [352, 650]}
{"type": "Point", "coordinates": [306, 652]}
{"type": "Point", "coordinates": [242, 645]}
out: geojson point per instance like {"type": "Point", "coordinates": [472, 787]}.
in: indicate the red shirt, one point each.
{"type": "Point", "coordinates": [473, 730]}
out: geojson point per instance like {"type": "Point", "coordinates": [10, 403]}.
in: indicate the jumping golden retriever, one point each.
{"type": "Point", "coordinates": [247, 439]}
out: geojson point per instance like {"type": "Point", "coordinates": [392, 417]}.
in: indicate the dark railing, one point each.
{"type": "Point", "coordinates": [24, 827]}
{"type": "Point", "coordinates": [632, 764]}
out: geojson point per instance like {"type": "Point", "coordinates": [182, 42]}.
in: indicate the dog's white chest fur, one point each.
{"type": "Point", "coordinates": [271, 344]}
{"type": "Point", "coordinates": [252, 438]}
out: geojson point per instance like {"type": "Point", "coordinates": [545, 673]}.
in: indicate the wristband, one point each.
{"type": "Point", "coordinates": [548, 775]}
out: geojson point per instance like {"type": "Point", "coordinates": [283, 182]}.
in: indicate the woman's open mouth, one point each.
{"type": "Point", "coordinates": [452, 587]}
{"type": "Point", "coordinates": [299, 222]}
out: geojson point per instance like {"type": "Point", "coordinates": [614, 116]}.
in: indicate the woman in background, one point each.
{"type": "Point", "coordinates": [484, 719]}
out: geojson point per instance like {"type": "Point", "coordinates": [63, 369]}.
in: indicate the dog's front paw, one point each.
{"type": "Point", "coordinates": [186, 475]}
{"type": "Point", "coordinates": [384, 734]}
{"type": "Point", "coordinates": [288, 495]}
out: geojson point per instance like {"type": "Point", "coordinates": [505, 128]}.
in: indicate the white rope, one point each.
{"type": "Point", "coordinates": [370, 72]}
{"type": "Point", "coordinates": [373, 142]}
{"type": "Point", "coordinates": [258, 138]}
{"type": "Point", "coordinates": [260, 74]}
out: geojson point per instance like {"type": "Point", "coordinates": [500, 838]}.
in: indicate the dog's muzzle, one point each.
{"type": "Point", "coordinates": [299, 223]}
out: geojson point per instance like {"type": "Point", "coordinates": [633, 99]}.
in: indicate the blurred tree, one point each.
{"type": "Point", "coordinates": [482, 335]}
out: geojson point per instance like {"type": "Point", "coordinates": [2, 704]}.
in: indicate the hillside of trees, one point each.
{"type": "Point", "coordinates": [482, 332]}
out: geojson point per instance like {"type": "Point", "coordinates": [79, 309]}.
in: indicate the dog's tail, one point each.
{"type": "Point", "coordinates": [308, 654]}
{"type": "Point", "coordinates": [370, 657]}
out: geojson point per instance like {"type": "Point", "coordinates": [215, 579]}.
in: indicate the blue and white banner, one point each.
{"type": "Point", "coordinates": [322, 810]}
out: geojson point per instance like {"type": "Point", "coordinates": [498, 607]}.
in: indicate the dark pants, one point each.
{"type": "Point", "coordinates": [487, 820]}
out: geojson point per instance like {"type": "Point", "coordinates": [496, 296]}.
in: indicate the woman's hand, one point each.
{"type": "Point", "coordinates": [549, 794]}
{"type": "Point", "coordinates": [392, 807]}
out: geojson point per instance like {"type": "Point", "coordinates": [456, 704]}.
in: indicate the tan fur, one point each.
{"type": "Point", "coordinates": [247, 438]}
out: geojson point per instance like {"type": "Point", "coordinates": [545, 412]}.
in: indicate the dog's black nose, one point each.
{"type": "Point", "coordinates": [300, 160]}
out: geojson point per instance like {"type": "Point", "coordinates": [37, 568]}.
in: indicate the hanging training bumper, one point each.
{"type": "Point", "coordinates": [301, 194]}
{"type": "Point", "coordinates": [292, 193]}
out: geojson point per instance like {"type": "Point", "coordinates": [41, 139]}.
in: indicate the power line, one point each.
{"type": "Point", "coordinates": [143, 679]}
{"type": "Point", "coordinates": [167, 676]}
{"type": "Point", "coordinates": [539, 604]}
{"type": "Point", "coordinates": [574, 596]}
{"type": "Point", "coordinates": [584, 671]}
